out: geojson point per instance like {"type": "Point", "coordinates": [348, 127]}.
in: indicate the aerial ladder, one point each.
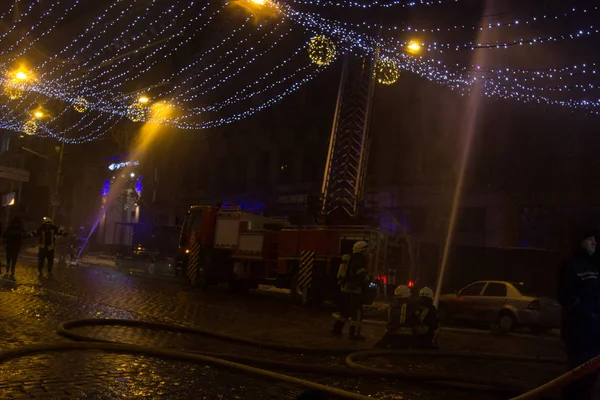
{"type": "Point", "coordinates": [347, 158]}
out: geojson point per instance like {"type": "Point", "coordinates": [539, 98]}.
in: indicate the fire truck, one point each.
{"type": "Point", "coordinates": [243, 249]}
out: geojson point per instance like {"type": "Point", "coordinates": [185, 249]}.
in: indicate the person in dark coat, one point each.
{"type": "Point", "coordinates": [579, 296]}
{"type": "Point", "coordinates": [13, 239]}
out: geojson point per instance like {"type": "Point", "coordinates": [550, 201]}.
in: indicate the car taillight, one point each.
{"type": "Point", "coordinates": [411, 284]}
{"type": "Point", "coordinates": [534, 305]}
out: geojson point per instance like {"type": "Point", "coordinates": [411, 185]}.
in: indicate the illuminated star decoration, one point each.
{"type": "Point", "coordinates": [80, 105]}
{"type": "Point", "coordinates": [30, 127]}
{"type": "Point", "coordinates": [321, 50]}
{"type": "Point", "coordinates": [386, 71]}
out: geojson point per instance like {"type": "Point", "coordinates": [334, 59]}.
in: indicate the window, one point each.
{"type": "Point", "coordinates": [495, 289]}
{"type": "Point", "coordinates": [240, 175]}
{"type": "Point", "coordinates": [471, 220]}
{"type": "Point", "coordinates": [5, 144]}
{"type": "Point", "coordinates": [262, 170]}
{"type": "Point", "coordinates": [286, 167]}
{"type": "Point", "coordinates": [473, 290]}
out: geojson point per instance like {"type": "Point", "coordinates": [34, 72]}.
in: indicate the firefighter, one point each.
{"type": "Point", "coordinates": [47, 233]}
{"type": "Point", "coordinates": [352, 279]}
{"type": "Point", "coordinates": [426, 330]}
{"type": "Point", "coordinates": [402, 320]}
{"type": "Point", "coordinates": [579, 295]}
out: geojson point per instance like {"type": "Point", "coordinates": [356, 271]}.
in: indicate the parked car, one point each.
{"type": "Point", "coordinates": [507, 305]}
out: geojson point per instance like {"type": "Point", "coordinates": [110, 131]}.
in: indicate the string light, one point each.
{"type": "Point", "coordinates": [136, 112]}
{"type": "Point", "coordinates": [373, 4]}
{"type": "Point", "coordinates": [321, 50]}
{"type": "Point", "coordinates": [91, 86]}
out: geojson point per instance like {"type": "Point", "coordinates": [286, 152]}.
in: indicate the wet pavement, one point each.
{"type": "Point", "coordinates": [31, 308]}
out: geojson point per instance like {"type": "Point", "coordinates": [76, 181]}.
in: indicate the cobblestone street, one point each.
{"type": "Point", "coordinates": [31, 309]}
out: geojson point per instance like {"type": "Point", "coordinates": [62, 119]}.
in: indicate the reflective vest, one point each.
{"type": "Point", "coordinates": [402, 318]}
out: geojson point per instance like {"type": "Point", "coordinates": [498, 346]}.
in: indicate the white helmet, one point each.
{"type": "Point", "coordinates": [402, 291]}
{"type": "Point", "coordinates": [360, 246]}
{"type": "Point", "coordinates": [426, 292]}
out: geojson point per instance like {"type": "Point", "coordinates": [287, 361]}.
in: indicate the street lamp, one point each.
{"type": "Point", "coordinates": [38, 114]}
{"type": "Point", "coordinates": [143, 99]}
{"type": "Point", "coordinates": [413, 47]}
{"type": "Point", "coordinates": [22, 76]}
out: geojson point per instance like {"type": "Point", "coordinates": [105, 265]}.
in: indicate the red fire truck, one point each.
{"type": "Point", "coordinates": [227, 244]}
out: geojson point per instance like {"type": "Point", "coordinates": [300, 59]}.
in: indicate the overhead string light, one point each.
{"type": "Point", "coordinates": [79, 38]}
{"type": "Point", "coordinates": [232, 63]}
{"type": "Point", "coordinates": [125, 36]}
{"type": "Point", "coordinates": [243, 93]}
{"type": "Point", "coordinates": [177, 47]}
{"type": "Point", "coordinates": [178, 87]}
{"type": "Point", "coordinates": [102, 79]}
{"type": "Point", "coordinates": [16, 24]}
{"type": "Point", "coordinates": [32, 42]}
{"type": "Point", "coordinates": [516, 22]}
{"type": "Point", "coordinates": [372, 4]}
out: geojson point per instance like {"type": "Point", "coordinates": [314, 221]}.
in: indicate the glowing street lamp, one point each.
{"type": "Point", "coordinates": [38, 114]}
{"type": "Point", "coordinates": [413, 47]}
{"type": "Point", "coordinates": [143, 99]}
{"type": "Point", "coordinates": [22, 76]}
{"type": "Point", "coordinates": [259, 2]}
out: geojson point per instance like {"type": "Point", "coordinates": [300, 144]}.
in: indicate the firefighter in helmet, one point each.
{"type": "Point", "coordinates": [427, 329]}
{"type": "Point", "coordinates": [353, 278]}
{"type": "Point", "coordinates": [402, 320]}
{"type": "Point", "coordinates": [46, 234]}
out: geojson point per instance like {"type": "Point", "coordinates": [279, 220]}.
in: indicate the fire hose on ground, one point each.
{"type": "Point", "coordinates": [263, 368]}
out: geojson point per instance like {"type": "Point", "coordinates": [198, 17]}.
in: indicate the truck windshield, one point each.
{"type": "Point", "coordinates": [192, 220]}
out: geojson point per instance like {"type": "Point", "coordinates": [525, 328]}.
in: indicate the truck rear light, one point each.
{"type": "Point", "coordinates": [534, 305]}
{"type": "Point", "coordinates": [411, 284]}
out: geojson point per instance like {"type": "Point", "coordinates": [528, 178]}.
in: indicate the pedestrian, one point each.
{"type": "Point", "coordinates": [13, 239]}
{"type": "Point", "coordinates": [353, 279]}
{"type": "Point", "coordinates": [47, 233]}
{"type": "Point", "coordinates": [427, 329]}
{"type": "Point", "coordinates": [579, 296]}
{"type": "Point", "coordinates": [402, 320]}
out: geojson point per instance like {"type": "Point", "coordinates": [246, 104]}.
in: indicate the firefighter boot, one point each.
{"type": "Point", "coordinates": [338, 327]}
{"type": "Point", "coordinates": [355, 333]}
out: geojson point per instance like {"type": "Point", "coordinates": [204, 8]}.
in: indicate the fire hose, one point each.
{"type": "Point", "coordinates": [260, 366]}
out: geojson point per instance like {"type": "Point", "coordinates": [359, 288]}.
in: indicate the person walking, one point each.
{"type": "Point", "coordinates": [13, 239]}
{"type": "Point", "coordinates": [579, 295]}
{"type": "Point", "coordinates": [47, 233]}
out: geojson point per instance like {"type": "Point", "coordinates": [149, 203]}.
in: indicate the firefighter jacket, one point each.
{"type": "Point", "coordinates": [427, 322]}
{"type": "Point", "coordinates": [402, 317]}
{"type": "Point", "coordinates": [579, 296]}
{"type": "Point", "coordinates": [355, 278]}
{"type": "Point", "coordinates": [47, 235]}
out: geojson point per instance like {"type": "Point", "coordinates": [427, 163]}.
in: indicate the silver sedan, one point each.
{"type": "Point", "coordinates": [500, 303]}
